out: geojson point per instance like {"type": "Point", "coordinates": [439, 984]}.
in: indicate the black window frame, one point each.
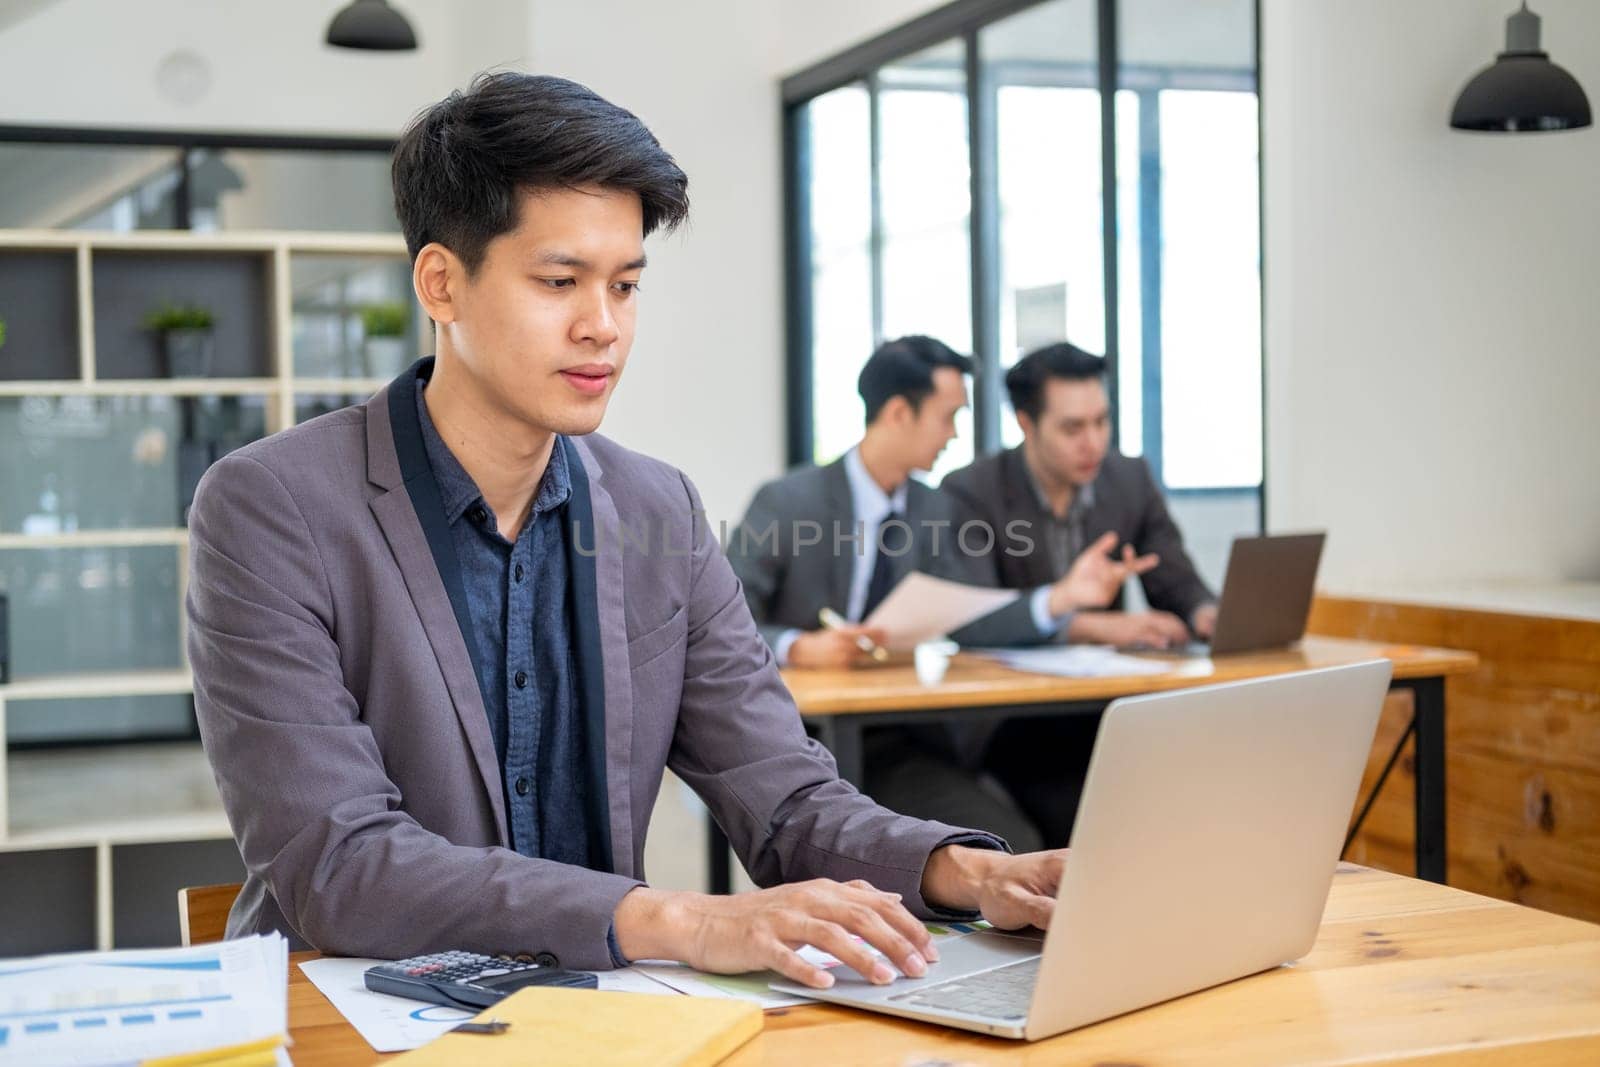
{"type": "Point", "coordinates": [963, 20]}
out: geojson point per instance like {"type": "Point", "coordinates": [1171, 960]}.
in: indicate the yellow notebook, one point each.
{"type": "Point", "coordinates": [598, 1029]}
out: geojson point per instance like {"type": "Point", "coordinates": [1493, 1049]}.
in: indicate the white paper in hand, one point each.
{"type": "Point", "coordinates": [922, 607]}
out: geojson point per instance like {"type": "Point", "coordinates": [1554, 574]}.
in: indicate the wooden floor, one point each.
{"type": "Point", "coordinates": [1523, 752]}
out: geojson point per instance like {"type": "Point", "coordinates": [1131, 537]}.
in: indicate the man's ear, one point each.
{"type": "Point", "coordinates": [896, 411]}
{"type": "Point", "coordinates": [437, 277]}
{"type": "Point", "coordinates": [1026, 423]}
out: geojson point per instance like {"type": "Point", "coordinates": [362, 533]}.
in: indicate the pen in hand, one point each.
{"type": "Point", "coordinates": [832, 620]}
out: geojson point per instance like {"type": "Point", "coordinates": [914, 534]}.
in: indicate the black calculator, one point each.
{"type": "Point", "coordinates": [468, 979]}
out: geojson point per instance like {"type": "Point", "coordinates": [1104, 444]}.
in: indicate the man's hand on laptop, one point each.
{"type": "Point", "coordinates": [749, 931]}
{"type": "Point", "coordinates": [1150, 629]}
{"type": "Point", "coordinates": [1010, 891]}
{"type": "Point", "coordinates": [1096, 576]}
{"type": "Point", "coordinates": [1204, 620]}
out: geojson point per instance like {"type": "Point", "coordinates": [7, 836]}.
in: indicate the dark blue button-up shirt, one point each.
{"type": "Point", "coordinates": [521, 641]}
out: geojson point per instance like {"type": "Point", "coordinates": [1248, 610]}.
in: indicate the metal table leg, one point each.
{"type": "Point", "coordinates": [1428, 694]}
{"type": "Point", "coordinates": [719, 868]}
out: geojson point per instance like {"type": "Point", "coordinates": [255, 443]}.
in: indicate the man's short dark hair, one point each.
{"type": "Point", "coordinates": [904, 367]}
{"type": "Point", "coordinates": [461, 166]}
{"type": "Point", "coordinates": [1025, 381]}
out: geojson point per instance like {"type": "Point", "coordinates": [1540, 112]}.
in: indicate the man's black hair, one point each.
{"type": "Point", "coordinates": [904, 367]}
{"type": "Point", "coordinates": [1026, 379]}
{"type": "Point", "coordinates": [461, 165]}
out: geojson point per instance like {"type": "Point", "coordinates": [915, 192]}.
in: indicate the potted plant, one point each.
{"type": "Point", "coordinates": [186, 338]}
{"type": "Point", "coordinates": [383, 328]}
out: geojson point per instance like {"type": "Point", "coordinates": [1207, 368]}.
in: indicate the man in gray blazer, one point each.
{"type": "Point", "coordinates": [841, 536]}
{"type": "Point", "coordinates": [438, 680]}
{"type": "Point", "coordinates": [1065, 487]}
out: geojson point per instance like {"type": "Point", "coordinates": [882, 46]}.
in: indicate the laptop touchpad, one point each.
{"type": "Point", "coordinates": [966, 955]}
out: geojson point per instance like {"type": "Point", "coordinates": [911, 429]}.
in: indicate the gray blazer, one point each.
{"type": "Point", "coordinates": [997, 489]}
{"type": "Point", "coordinates": [338, 705]}
{"type": "Point", "coordinates": [788, 581]}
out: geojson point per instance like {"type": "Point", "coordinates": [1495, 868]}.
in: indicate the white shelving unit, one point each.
{"type": "Point", "coordinates": [104, 796]}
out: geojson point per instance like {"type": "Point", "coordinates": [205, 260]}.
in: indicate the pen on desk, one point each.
{"type": "Point", "coordinates": [833, 621]}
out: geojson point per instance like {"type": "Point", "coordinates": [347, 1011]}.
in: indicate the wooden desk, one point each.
{"type": "Point", "coordinates": [840, 704]}
{"type": "Point", "coordinates": [1403, 972]}
{"type": "Point", "coordinates": [1523, 754]}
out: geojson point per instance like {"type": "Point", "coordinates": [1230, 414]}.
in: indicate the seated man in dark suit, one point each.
{"type": "Point", "coordinates": [841, 536]}
{"type": "Point", "coordinates": [1070, 487]}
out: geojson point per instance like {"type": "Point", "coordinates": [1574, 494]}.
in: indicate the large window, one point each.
{"type": "Point", "coordinates": [954, 177]}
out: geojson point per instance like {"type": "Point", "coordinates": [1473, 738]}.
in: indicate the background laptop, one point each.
{"type": "Point", "coordinates": [1205, 845]}
{"type": "Point", "coordinates": [1266, 592]}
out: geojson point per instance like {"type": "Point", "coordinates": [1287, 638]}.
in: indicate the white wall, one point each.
{"type": "Point", "coordinates": [810, 31]}
{"type": "Point", "coordinates": [96, 62]}
{"type": "Point", "coordinates": [703, 387]}
{"type": "Point", "coordinates": [1433, 332]}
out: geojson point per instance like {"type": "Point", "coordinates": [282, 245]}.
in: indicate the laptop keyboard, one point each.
{"type": "Point", "coordinates": [1002, 993]}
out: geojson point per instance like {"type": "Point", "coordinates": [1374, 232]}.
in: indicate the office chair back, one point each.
{"type": "Point", "coordinates": [203, 912]}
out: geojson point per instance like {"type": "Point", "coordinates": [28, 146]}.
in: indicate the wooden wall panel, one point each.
{"type": "Point", "coordinates": [1522, 757]}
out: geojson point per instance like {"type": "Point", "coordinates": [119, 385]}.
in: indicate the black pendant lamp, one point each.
{"type": "Point", "coordinates": [371, 25]}
{"type": "Point", "coordinates": [1522, 91]}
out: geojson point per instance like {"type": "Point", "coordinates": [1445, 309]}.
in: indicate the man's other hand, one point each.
{"type": "Point", "coordinates": [1096, 577]}
{"type": "Point", "coordinates": [1010, 891]}
{"type": "Point", "coordinates": [1147, 629]}
{"type": "Point", "coordinates": [832, 648]}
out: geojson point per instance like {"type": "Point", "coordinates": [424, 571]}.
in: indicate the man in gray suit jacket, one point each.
{"type": "Point", "coordinates": [439, 677]}
{"type": "Point", "coordinates": [1065, 487]}
{"type": "Point", "coordinates": [841, 536]}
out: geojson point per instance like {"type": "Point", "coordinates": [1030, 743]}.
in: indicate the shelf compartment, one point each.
{"type": "Point", "coordinates": [39, 303]}
{"type": "Point", "coordinates": [100, 462]}
{"type": "Point", "coordinates": [235, 286]}
{"type": "Point", "coordinates": [93, 609]}
{"type": "Point", "coordinates": [328, 296]}
{"type": "Point", "coordinates": [120, 794]}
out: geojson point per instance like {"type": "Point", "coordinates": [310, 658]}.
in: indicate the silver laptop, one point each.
{"type": "Point", "coordinates": [1205, 845]}
{"type": "Point", "coordinates": [1266, 593]}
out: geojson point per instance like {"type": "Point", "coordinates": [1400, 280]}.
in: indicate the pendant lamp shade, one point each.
{"type": "Point", "coordinates": [1522, 90]}
{"type": "Point", "coordinates": [371, 25]}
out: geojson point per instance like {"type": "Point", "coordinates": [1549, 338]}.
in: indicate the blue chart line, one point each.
{"type": "Point", "coordinates": [190, 1014]}
{"type": "Point", "coordinates": [92, 1020]}
{"type": "Point", "coordinates": [129, 1019]}
{"type": "Point", "coordinates": [119, 1007]}
{"type": "Point", "coordinates": [41, 1028]}
{"type": "Point", "coordinates": [421, 1014]}
{"type": "Point", "coordinates": [181, 965]}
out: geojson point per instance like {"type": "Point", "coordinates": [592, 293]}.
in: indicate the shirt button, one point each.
{"type": "Point", "coordinates": [521, 679]}
{"type": "Point", "coordinates": [517, 573]}
{"type": "Point", "coordinates": [522, 787]}
{"type": "Point", "coordinates": [480, 515]}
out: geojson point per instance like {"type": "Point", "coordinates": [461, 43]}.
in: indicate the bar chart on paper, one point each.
{"type": "Point", "coordinates": [227, 1000]}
